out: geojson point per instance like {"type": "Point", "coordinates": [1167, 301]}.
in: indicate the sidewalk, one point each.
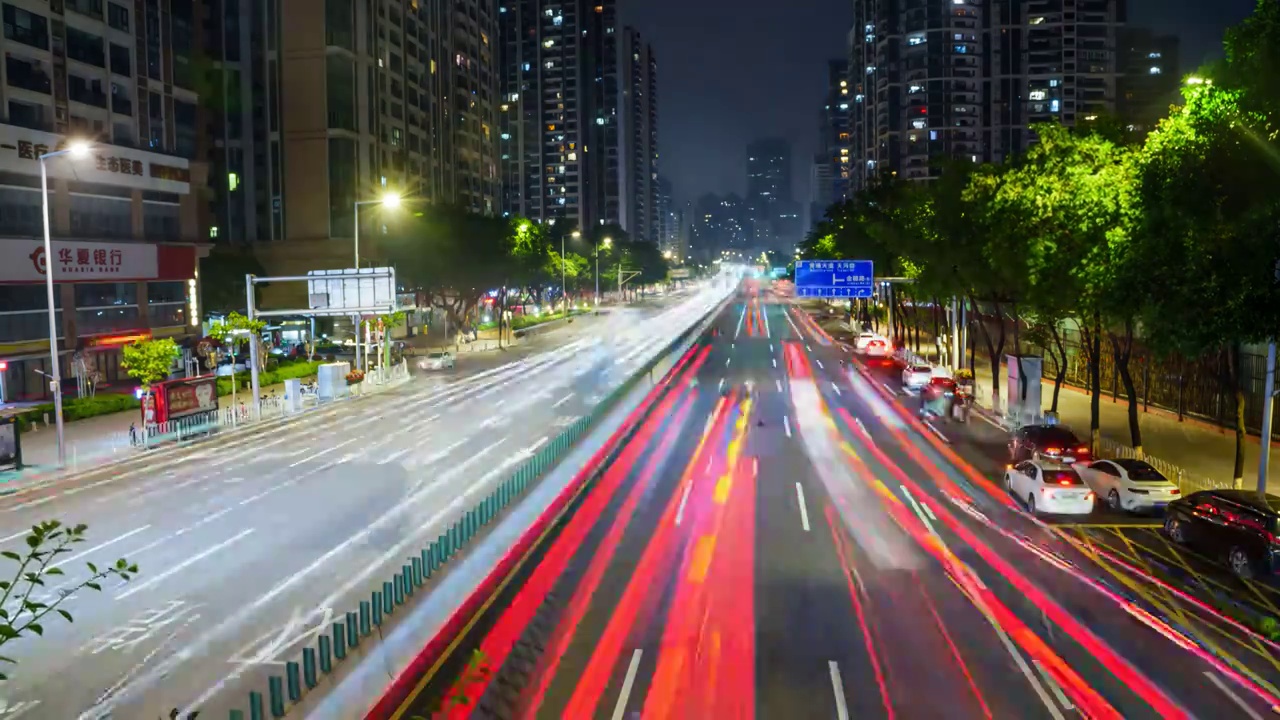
{"type": "Point", "coordinates": [1204, 452]}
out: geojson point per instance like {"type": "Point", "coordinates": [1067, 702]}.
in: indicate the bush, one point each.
{"type": "Point", "coordinates": [81, 408]}
{"type": "Point", "coordinates": [284, 371]}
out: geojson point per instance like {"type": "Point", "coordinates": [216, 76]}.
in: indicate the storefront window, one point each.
{"type": "Point", "coordinates": [168, 314]}
{"type": "Point", "coordinates": [166, 292]}
{"type": "Point", "coordinates": [102, 295]}
{"type": "Point", "coordinates": [15, 298]}
{"type": "Point", "coordinates": [104, 320]}
{"type": "Point", "coordinates": [18, 327]}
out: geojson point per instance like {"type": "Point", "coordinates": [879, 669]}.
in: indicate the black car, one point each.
{"type": "Point", "coordinates": [1236, 526]}
{"type": "Point", "coordinates": [1051, 442]}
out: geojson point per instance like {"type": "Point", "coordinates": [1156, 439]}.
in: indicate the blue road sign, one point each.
{"type": "Point", "coordinates": [834, 278]}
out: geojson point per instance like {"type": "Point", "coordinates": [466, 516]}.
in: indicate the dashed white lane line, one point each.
{"type": "Point", "coordinates": [157, 579]}
{"type": "Point", "coordinates": [562, 400]}
{"type": "Point", "coordinates": [1226, 690]}
{"type": "Point", "coordinates": [804, 510]}
{"type": "Point", "coordinates": [988, 420]}
{"type": "Point", "coordinates": [323, 452]}
{"type": "Point", "coordinates": [684, 499]}
{"type": "Point", "coordinates": [100, 546]}
{"type": "Point", "coordinates": [775, 362]}
{"type": "Point", "coordinates": [820, 365]}
{"type": "Point", "coordinates": [786, 425]}
{"type": "Point", "coordinates": [778, 383]}
{"type": "Point", "coordinates": [726, 361]}
{"type": "Point", "coordinates": [937, 433]}
{"type": "Point", "coordinates": [837, 686]}
{"type": "Point", "coordinates": [836, 387]}
{"type": "Point", "coordinates": [891, 390]}
{"type": "Point", "coordinates": [620, 709]}
{"type": "Point", "coordinates": [1054, 688]}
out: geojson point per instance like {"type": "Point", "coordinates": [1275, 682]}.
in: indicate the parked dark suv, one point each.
{"type": "Point", "coordinates": [1050, 442]}
{"type": "Point", "coordinates": [1236, 526]}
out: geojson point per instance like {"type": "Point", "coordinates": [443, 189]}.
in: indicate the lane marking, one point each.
{"type": "Point", "coordinates": [988, 420]}
{"type": "Point", "coordinates": [820, 365]}
{"type": "Point", "coordinates": [808, 347]}
{"type": "Point", "coordinates": [891, 390]}
{"type": "Point", "coordinates": [721, 385]}
{"type": "Point", "coordinates": [862, 427]}
{"type": "Point", "coordinates": [741, 319]}
{"type": "Point", "coordinates": [804, 510]}
{"type": "Point", "coordinates": [620, 709]}
{"type": "Point", "coordinates": [1022, 664]}
{"type": "Point", "coordinates": [786, 425]}
{"type": "Point", "coordinates": [764, 315]}
{"type": "Point", "coordinates": [157, 579]}
{"type": "Point", "coordinates": [836, 387]}
{"type": "Point", "coordinates": [562, 400]}
{"type": "Point", "coordinates": [1054, 687]}
{"type": "Point", "coordinates": [98, 547]}
{"type": "Point", "coordinates": [17, 535]}
{"type": "Point", "coordinates": [837, 686]}
{"type": "Point", "coordinates": [770, 347]}
{"type": "Point", "coordinates": [684, 499]}
{"type": "Point", "coordinates": [1234, 697]}
{"type": "Point", "coordinates": [323, 452]}
{"type": "Point", "coordinates": [778, 383]}
{"type": "Point", "coordinates": [726, 361]}
{"type": "Point", "coordinates": [937, 433]}
{"type": "Point", "coordinates": [919, 513]}
{"type": "Point", "coordinates": [775, 361]}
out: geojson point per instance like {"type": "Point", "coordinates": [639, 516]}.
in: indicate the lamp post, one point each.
{"type": "Point", "coordinates": [607, 242]}
{"type": "Point", "coordinates": [388, 200]}
{"type": "Point", "coordinates": [75, 150]}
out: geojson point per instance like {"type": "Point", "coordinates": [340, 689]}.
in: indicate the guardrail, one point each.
{"type": "Point", "coordinates": [305, 673]}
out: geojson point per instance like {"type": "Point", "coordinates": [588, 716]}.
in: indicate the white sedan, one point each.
{"type": "Point", "coordinates": [1129, 484]}
{"type": "Point", "coordinates": [1049, 488]}
{"type": "Point", "coordinates": [863, 338]}
{"type": "Point", "coordinates": [437, 361]}
{"type": "Point", "coordinates": [878, 347]}
{"type": "Point", "coordinates": [915, 377]}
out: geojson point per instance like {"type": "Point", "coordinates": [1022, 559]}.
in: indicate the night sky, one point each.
{"type": "Point", "coordinates": [731, 71]}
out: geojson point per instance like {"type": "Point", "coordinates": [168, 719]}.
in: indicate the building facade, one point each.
{"type": "Point", "coordinates": [124, 222]}
{"type": "Point", "coordinates": [772, 212]}
{"type": "Point", "coordinates": [638, 126]}
{"type": "Point", "coordinates": [719, 224]}
{"type": "Point", "coordinates": [833, 164]}
{"type": "Point", "coordinates": [357, 101]}
{"type": "Point", "coordinates": [939, 79]}
{"type": "Point", "coordinates": [1150, 81]}
{"type": "Point", "coordinates": [668, 216]}
{"type": "Point", "coordinates": [559, 111]}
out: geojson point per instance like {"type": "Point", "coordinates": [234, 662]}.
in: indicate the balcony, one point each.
{"type": "Point", "coordinates": [28, 75]}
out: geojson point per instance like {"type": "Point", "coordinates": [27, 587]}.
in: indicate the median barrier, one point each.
{"type": "Point", "coordinates": [279, 699]}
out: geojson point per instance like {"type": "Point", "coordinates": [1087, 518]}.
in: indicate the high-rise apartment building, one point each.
{"type": "Point", "coordinates": [937, 79]}
{"type": "Point", "coordinates": [668, 218]}
{"type": "Point", "coordinates": [559, 119]}
{"type": "Point", "coordinates": [362, 99]}
{"type": "Point", "coordinates": [770, 206]}
{"type": "Point", "coordinates": [832, 166]}
{"type": "Point", "coordinates": [1150, 79]}
{"type": "Point", "coordinates": [719, 224]}
{"type": "Point", "coordinates": [119, 81]}
{"type": "Point", "coordinates": [639, 138]}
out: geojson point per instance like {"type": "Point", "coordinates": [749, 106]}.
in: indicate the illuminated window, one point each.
{"type": "Point", "coordinates": [1037, 95]}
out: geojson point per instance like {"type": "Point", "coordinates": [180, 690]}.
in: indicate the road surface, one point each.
{"type": "Point", "coordinates": [247, 548]}
{"type": "Point", "coordinates": [778, 540]}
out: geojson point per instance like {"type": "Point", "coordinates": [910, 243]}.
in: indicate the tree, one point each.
{"type": "Point", "coordinates": [26, 601]}
{"type": "Point", "coordinates": [150, 361]}
{"type": "Point", "coordinates": [222, 279]}
{"type": "Point", "coordinates": [235, 331]}
{"type": "Point", "coordinates": [1210, 234]}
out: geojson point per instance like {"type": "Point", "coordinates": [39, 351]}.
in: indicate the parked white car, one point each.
{"type": "Point", "coordinates": [1128, 484]}
{"type": "Point", "coordinates": [1049, 488]}
{"type": "Point", "coordinates": [437, 361]}
{"type": "Point", "coordinates": [915, 377]}
{"type": "Point", "coordinates": [878, 347]}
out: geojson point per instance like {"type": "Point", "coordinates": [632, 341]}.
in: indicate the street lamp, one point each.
{"type": "Point", "coordinates": [389, 200]}
{"type": "Point", "coordinates": [607, 243]}
{"type": "Point", "coordinates": [564, 289]}
{"type": "Point", "coordinates": [75, 149]}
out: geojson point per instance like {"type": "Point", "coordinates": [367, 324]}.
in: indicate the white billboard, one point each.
{"type": "Point", "coordinates": [21, 148]}
{"type": "Point", "coordinates": [23, 261]}
{"type": "Point", "coordinates": [365, 289]}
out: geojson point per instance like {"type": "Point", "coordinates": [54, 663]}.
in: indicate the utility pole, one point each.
{"type": "Point", "coordinates": [1268, 407]}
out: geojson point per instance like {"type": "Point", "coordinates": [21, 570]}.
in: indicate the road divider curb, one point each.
{"type": "Point", "coordinates": [329, 649]}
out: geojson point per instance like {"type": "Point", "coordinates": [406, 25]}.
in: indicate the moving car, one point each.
{"type": "Point", "coordinates": [1048, 487]}
{"type": "Point", "coordinates": [878, 348]}
{"type": "Point", "coordinates": [1238, 526]}
{"type": "Point", "coordinates": [915, 377]}
{"type": "Point", "coordinates": [860, 343]}
{"type": "Point", "coordinates": [1129, 484]}
{"type": "Point", "coordinates": [1052, 442]}
{"type": "Point", "coordinates": [437, 361]}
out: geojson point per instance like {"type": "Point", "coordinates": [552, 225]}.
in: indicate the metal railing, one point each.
{"type": "Point", "coordinates": [1185, 482]}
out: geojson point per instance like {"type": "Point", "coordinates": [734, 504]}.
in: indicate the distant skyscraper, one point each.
{"type": "Point", "coordinates": [1150, 79]}
{"type": "Point", "coordinates": [558, 127]}
{"type": "Point", "coordinates": [963, 79]}
{"type": "Point", "coordinates": [833, 139]}
{"type": "Point", "coordinates": [769, 189]}
{"type": "Point", "coordinates": [719, 224]}
{"type": "Point", "coordinates": [668, 230]}
{"type": "Point", "coordinates": [638, 130]}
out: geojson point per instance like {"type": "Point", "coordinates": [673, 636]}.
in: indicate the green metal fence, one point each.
{"type": "Point", "coordinates": [323, 656]}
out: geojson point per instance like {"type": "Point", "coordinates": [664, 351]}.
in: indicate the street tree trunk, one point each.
{"type": "Point", "coordinates": [1017, 352]}
{"type": "Point", "coordinates": [995, 348]}
{"type": "Point", "coordinates": [1095, 384]}
{"type": "Point", "coordinates": [1236, 388]}
{"type": "Point", "coordinates": [1059, 364]}
{"type": "Point", "coordinates": [1122, 351]}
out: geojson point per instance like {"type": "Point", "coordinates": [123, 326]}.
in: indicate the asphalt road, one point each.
{"type": "Point", "coordinates": [778, 540]}
{"type": "Point", "coordinates": [247, 548]}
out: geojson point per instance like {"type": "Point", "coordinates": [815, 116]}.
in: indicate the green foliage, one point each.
{"type": "Point", "coordinates": [150, 361]}
{"type": "Point", "coordinates": [26, 600]}
{"type": "Point", "coordinates": [285, 371]}
{"type": "Point", "coordinates": [80, 408]}
{"type": "Point", "coordinates": [235, 330]}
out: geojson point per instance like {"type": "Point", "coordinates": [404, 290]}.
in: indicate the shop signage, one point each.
{"type": "Point", "coordinates": [23, 261]}
{"type": "Point", "coordinates": [21, 148]}
{"type": "Point", "coordinates": [192, 397]}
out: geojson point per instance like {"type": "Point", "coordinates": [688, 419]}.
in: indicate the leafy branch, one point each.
{"type": "Point", "coordinates": [21, 609]}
